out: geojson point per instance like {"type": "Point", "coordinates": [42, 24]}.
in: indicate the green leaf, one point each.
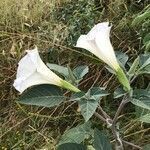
{"type": "Point", "coordinates": [122, 58]}
{"type": "Point", "coordinates": [134, 67]}
{"type": "Point", "coordinates": [42, 95]}
{"type": "Point", "coordinates": [119, 92]}
{"type": "Point", "coordinates": [77, 134]}
{"type": "Point", "coordinates": [143, 114]}
{"type": "Point", "coordinates": [80, 72]}
{"type": "Point", "coordinates": [88, 107]}
{"type": "Point", "coordinates": [77, 96]}
{"type": "Point", "coordinates": [146, 42]}
{"type": "Point", "coordinates": [145, 118]}
{"type": "Point", "coordinates": [97, 92]}
{"type": "Point", "coordinates": [144, 64]}
{"type": "Point", "coordinates": [71, 76]}
{"type": "Point", "coordinates": [141, 98]}
{"type": "Point", "coordinates": [60, 69]}
{"type": "Point", "coordinates": [74, 76]}
{"type": "Point", "coordinates": [89, 102]}
{"type": "Point", "coordinates": [101, 142]}
{"type": "Point", "coordinates": [146, 147]}
{"type": "Point", "coordinates": [71, 146]}
{"type": "Point", "coordinates": [123, 79]}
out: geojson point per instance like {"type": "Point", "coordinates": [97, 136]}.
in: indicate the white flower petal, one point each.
{"type": "Point", "coordinates": [84, 42]}
{"type": "Point", "coordinates": [32, 71]}
{"type": "Point", "coordinates": [97, 41]}
{"type": "Point", "coordinates": [99, 28]}
{"type": "Point", "coordinates": [34, 79]}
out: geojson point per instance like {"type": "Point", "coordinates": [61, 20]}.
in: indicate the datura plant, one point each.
{"type": "Point", "coordinates": [97, 41]}
{"type": "Point", "coordinates": [32, 71]}
{"type": "Point", "coordinates": [40, 86]}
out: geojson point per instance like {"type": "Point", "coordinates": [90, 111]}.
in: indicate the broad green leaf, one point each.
{"type": "Point", "coordinates": [145, 118]}
{"type": "Point", "coordinates": [60, 69]}
{"type": "Point", "coordinates": [144, 60]}
{"type": "Point", "coordinates": [143, 114]}
{"type": "Point", "coordinates": [97, 92]}
{"type": "Point", "coordinates": [144, 64]}
{"type": "Point", "coordinates": [146, 147]}
{"type": "Point", "coordinates": [94, 93]}
{"type": "Point", "coordinates": [88, 107]}
{"type": "Point", "coordinates": [42, 95]}
{"type": "Point", "coordinates": [74, 76]}
{"type": "Point", "coordinates": [134, 67]}
{"type": "Point", "coordinates": [101, 142]}
{"type": "Point", "coordinates": [119, 92]}
{"type": "Point", "coordinates": [89, 101]}
{"type": "Point", "coordinates": [122, 58]}
{"type": "Point", "coordinates": [71, 146]}
{"type": "Point", "coordinates": [80, 72]}
{"type": "Point", "coordinates": [146, 42]}
{"type": "Point", "coordinates": [76, 134]}
{"type": "Point", "coordinates": [77, 96]}
{"type": "Point", "coordinates": [141, 98]}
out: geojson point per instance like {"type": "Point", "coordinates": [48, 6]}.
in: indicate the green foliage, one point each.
{"type": "Point", "coordinates": [143, 115]}
{"type": "Point", "coordinates": [101, 142]}
{"type": "Point", "coordinates": [119, 92]}
{"type": "Point", "coordinates": [42, 95]}
{"type": "Point", "coordinates": [146, 147]}
{"type": "Point", "coordinates": [133, 68]}
{"type": "Point", "coordinates": [73, 76]}
{"type": "Point", "coordinates": [122, 60]}
{"type": "Point", "coordinates": [144, 64]}
{"type": "Point", "coordinates": [71, 146]}
{"type": "Point", "coordinates": [88, 102]}
{"type": "Point", "coordinates": [142, 23]}
{"type": "Point", "coordinates": [145, 118]}
{"type": "Point", "coordinates": [141, 98]}
{"type": "Point", "coordinates": [76, 134]}
{"type": "Point", "coordinates": [79, 16]}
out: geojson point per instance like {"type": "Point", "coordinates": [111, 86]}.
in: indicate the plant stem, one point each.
{"type": "Point", "coordinates": [121, 106]}
{"type": "Point", "coordinates": [100, 117]}
{"type": "Point", "coordinates": [133, 145]}
{"type": "Point", "coordinates": [103, 112]}
{"type": "Point", "coordinates": [113, 127]}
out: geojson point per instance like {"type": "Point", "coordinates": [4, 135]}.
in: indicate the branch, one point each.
{"type": "Point", "coordinates": [103, 112]}
{"type": "Point", "coordinates": [100, 117]}
{"type": "Point", "coordinates": [121, 106]}
{"type": "Point", "coordinates": [133, 145]}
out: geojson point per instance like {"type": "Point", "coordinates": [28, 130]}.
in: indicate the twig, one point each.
{"type": "Point", "coordinates": [100, 117]}
{"type": "Point", "coordinates": [133, 145]}
{"type": "Point", "coordinates": [121, 106]}
{"type": "Point", "coordinates": [103, 112]}
{"type": "Point", "coordinates": [113, 127]}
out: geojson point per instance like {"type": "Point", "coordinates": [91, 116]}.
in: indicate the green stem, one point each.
{"type": "Point", "coordinates": [123, 79]}
{"type": "Point", "coordinates": [69, 86]}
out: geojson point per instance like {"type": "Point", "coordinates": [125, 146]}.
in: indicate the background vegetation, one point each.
{"type": "Point", "coordinates": [54, 26]}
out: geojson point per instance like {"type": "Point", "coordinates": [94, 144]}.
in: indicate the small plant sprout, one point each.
{"type": "Point", "coordinates": [32, 71]}
{"type": "Point", "coordinates": [97, 41]}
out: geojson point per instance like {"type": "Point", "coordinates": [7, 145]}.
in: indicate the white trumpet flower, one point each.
{"type": "Point", "coordinates": [32, 71]}
{"type": "Point", "coordinates": [97, 41]}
